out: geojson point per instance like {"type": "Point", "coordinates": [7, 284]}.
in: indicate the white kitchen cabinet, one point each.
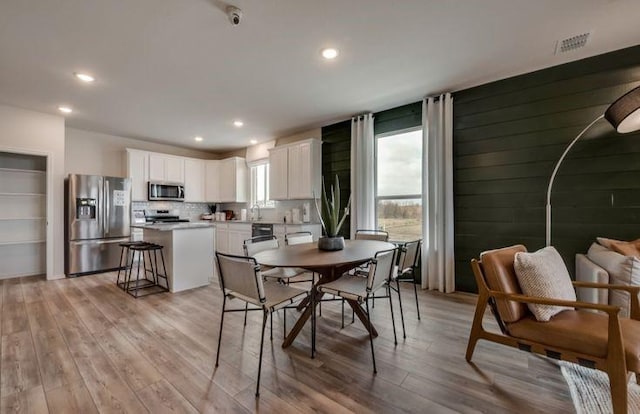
{"type": "Point", "coordinates": [278, 173]}
{"type": "Point", "coordinates": [233, 180]}
{"type": "Point", "coordinates": [238, 233]}
{"type": "Point", "coordinates": [300, 175]}
{"type": "Point", "coordinates": [222, 237]}
{"type": "Point", "coordinates": [166, 168]}
{"type": "Point", "coordinates": [212, 181]}
{"type": "Point", "coordinates": [137, 163]}
{"type": "Point", "coordinates": [194, 180]}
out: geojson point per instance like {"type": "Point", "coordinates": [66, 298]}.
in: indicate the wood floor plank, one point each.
{"type": "Point", "coordinates": [57, 366]}
{"type": "Point", "coordinates": [31, 401]}
{"type": "Point", "coordinates": [71, 398]}
{"type": "Point", "coordinates": [161, 397]}
{"type": "Point", "coordinates": [19, 365]}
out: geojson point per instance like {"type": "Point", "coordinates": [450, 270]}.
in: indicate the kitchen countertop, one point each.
{"type": "Point", "coordinates": [175, 226]}
{"type": "Point", "coordinates": [260, 222]}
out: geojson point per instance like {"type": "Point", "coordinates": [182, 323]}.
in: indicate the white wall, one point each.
{"type": "Point", "coordinates": [102, 154]}
{"type": "Point", "coordinates": [34, 132]}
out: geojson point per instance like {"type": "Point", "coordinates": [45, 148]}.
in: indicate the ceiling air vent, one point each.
{"type": "Point", "coordinates": [572, 43]}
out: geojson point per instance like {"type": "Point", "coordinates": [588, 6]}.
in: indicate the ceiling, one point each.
{"type": "Point", "coordinates": [168, 70]}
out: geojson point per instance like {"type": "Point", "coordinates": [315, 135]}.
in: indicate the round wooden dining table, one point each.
{"type": "Point", "coordinates": [329, 265]}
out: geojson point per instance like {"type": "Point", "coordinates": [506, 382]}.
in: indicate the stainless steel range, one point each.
{"type": "Point", "coordinates": [163, 216]}
{"type": "Point", "coordinates": [97, 220]}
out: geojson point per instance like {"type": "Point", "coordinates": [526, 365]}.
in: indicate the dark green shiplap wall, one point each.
{"type": "Point", "coordinates": [507, 137]}
{"type": "Point", "coordinates": [336, 146]}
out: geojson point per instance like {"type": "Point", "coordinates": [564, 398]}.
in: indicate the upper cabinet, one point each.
{"type": "Point", "coordinates": [295, 170]}
{"type": "Point", "coordinates": [232, 178]}
{"type": "Point", "coordinates": [194, 180]}
{"type": "Point", "coordinates": [166, 168]}
{"type": "Point", "coordinates": [138, 170]}
{"type": "Point", "coordinates": [212, 184]}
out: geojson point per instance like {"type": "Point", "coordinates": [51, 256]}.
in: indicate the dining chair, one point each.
{"type": "Point", "coordinates": [240, 278]}
{"type": "Point", "coordinates": [359, 289]}
{"type": "Point", "coordinates": [406, 271]}
{"type": "Point", "coordinates": [280, 274]}
{"type": "Point", "coordinates": [298, 237]}
{"type": "Point", "coordinates": [379, 235]}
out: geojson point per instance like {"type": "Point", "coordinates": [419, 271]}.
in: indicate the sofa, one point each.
{"type": "Point", "coordinates": [608, 261]}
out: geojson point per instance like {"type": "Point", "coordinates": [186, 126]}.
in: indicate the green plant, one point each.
{"type": "Point", "coordinates": [329, 211]}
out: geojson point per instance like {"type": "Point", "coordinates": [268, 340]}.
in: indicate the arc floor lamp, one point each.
{"type": "Point", "coordinates": [623, 115]}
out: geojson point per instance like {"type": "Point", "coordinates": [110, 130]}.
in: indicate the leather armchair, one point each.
{"type": "Point", "coordinates": [599, 340]}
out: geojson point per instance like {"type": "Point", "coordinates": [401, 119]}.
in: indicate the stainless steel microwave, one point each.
{"type": "Point", "coordinates": [165, 191]}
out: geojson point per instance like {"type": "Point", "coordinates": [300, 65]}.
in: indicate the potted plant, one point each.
{"type": "Point", "coordinates": [331, 218]}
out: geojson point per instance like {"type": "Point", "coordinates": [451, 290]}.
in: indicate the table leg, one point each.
{"type": "Point", "coordinates": [357, 309]}
{"type": "Point", "coordinates": [304, 317]}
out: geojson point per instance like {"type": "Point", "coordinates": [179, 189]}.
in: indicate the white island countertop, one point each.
{"type": "Point", "coordinates": [175, 226]}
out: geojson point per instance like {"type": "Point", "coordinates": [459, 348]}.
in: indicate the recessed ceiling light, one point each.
{"type": "Point", "coordinates": [238, 123]}
{"type": "Point", "coordinates": [65, 109]}
{"type": "Point", "coordinates": [329, 53]}
{"type": "Point", "coordinates": [198, 139]}
{"type": "Point", "coordinates": [84, 77]}
{"type": "Point", "coordinates": [253, 141]}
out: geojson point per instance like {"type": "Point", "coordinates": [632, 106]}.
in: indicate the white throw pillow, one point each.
{"type": "Point", "coordinates": [544, 274]}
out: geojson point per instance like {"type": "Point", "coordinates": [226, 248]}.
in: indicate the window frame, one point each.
{"type": "Point", "coordinates": [377, 197]}
{"type": "Point", "coordinates": [268, 203]}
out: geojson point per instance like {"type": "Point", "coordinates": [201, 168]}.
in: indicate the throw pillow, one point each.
{"type": "Point", "coordinates": [627, 248]}
{"type": "Point", "coordinates": [544, 274]}
{"type": "Point", "coordinates": [603, 241]}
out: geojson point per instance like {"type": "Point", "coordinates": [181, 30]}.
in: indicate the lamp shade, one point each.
{"type": "Point", "coordinates": [624, 113]}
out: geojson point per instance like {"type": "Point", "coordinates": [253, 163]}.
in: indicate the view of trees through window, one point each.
{"type": "Point", "coordinates": [399, 185]}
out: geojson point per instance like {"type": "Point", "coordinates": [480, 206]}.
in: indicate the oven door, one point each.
{"type": "Point", "coordinates": [163, 191]}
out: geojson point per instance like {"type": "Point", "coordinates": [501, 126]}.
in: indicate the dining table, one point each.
{"type": "Point", "coordinates": [329, 265]}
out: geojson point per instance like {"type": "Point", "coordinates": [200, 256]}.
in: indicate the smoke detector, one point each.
{"type": "Point", "coordinates": [572, 43]}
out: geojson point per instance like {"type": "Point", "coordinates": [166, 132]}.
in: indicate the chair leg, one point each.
{"type": "Point", "coordinates": [271, 323]}
{"type": "Point", "coordinates": [415, 292]}
{"type": "Point", "coordinates": [312, 303]}
{"type": "Point", "coordinates": [373, 355]}
{"type": "Point", "coordinates": [476, 327]}
{"type": "Point", "coordinates": [342, 314]}
{"type": "Point", "coordinates": [224, 301]}
{"type": "Point", "coordinates": [246, 310]}
{"type": "Point", "coordinates": [264, 325]}
{"type": "Point", "coordinates": [404, 332]}
{"type": "Point", "coordinates": [284, 321]}
{"type": "Point", "coordinates": [393, 320]}
{"type": "Point", "coordinates": [618, 385]}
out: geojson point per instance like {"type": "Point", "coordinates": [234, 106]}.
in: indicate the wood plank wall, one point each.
{"type": "Point", "coordinates": [507, 137]}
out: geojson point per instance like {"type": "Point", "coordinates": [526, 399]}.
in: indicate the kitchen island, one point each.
{"type": "Point", "coordinates": [188, 252]}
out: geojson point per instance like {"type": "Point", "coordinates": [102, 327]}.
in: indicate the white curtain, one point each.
{"type": "Point", "coordinates": [362, 174]}
{"type": "Point", "coordinates": [437, 194]}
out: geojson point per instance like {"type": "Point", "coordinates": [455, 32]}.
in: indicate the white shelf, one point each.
{"type": "Point", "coordinates": [23, 194]}
{"type": "Point", "coordinates": [22, 218]}
{"type": "Point", "coordinates": [17, 170]}
{"type": "Point", "coordinates": [12, 243]}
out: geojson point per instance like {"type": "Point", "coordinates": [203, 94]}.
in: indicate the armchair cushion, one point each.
{"type": "Point", "coordinates": [582, 332]}
{"type": "Point", "coordinates": [544, 274]}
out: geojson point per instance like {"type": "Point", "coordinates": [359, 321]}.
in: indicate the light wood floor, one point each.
{"type": "Point", "coordinates": [82, 346]}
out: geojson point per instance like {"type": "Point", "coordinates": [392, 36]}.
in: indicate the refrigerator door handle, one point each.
{"type": "Point", "coordinates": [107, 204]}
{"type": "Point", "coordinates": [108, 241]}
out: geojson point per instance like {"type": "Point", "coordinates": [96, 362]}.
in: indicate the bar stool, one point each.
{"type": "Point", "coordinates": [150, 281]}
{"type": "Point", "coordinates": [124, 254]}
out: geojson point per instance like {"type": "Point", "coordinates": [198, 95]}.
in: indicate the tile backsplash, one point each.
{"type": "Point", "coordinates": [193, 211]}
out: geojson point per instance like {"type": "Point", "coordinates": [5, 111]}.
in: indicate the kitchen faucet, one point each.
{"type": "Point", "coordinates": [259, 215]}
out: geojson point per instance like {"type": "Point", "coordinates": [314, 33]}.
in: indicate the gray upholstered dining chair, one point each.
{"type": "Point", "coordinates": [359, 289]}
{"type": "Point", "coordinates": [240, 278]}
{"type": "Point", "coordinates": [298, 237]}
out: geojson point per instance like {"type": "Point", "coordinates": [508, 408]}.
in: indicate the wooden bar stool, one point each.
{"type": "Point", "coordinates": [150, 281]}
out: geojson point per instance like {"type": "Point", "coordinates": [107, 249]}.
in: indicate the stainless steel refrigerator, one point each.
{"type": "Point", "coordinates": [98, 219]}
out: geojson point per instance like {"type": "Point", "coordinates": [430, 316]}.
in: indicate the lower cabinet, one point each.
{"type": "Point", "coordinates": [231, 236]}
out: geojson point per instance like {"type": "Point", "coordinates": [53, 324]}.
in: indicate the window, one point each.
{"type": "Point", "coordinates": [399, 184]}
{"type": "Point", "coordinates": [260, 185]}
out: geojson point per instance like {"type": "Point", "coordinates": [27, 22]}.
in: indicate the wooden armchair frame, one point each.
{"type": "Point", "coordinates": [614, 363]}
